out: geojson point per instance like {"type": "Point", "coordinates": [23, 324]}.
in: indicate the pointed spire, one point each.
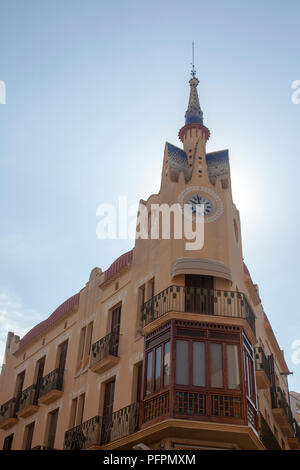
{"type": "Point", "coordinates": [194, 114]}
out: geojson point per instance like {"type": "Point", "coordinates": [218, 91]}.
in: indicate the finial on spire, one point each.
{"type": "Point", "coordinates": [193, 72]}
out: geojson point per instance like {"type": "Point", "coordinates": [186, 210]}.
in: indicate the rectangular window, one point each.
{"type": "Point", "coordinates": [89, 339]}
{"type": "Point", "coordinates": [216, 365]}
{"type": "Point", "coordinates": [73, 412]}
{"type": "Point", "coordinates": [39, 372]}
{"type": "Point", "coordinates": [109, 399]}
{"type": "Point", "coordinates": [182, 361]}
{"type": "Point", "coordinates": [28, 436]}
{"type": "Point", "coordinates": [167, 364]}
{"type": "Point", "coordinates": [157, 383]}
{"type": "Point", "coordinates": [80, 409]}
{"type": "Point", "coordinates": [7, 445]}
{"type": "Point", "coordinates": [233, 370]}
{"type": "Point", "coordinates": [199, 364]}
{"type": "Point", "coordinates": [149, 373]}
{"type": "Point", "coordinates": [81, 343]}
{"type": "Point", "coordinates": [138, 372]}
{"type": "Point", "coordinates": [53, 417]}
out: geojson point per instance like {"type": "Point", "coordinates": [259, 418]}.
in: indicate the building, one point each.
{"type": "Point", "coordinates": [169, 348]}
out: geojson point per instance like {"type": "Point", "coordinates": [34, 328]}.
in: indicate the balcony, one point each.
{"type": "Point", "coordinates": [27, 403]}
{"type": "Point", "coordinates": [263, 377]}
{"type": "Point", "coordinates": [8, 414]}
{"type": "Point", "coordinates": [99, 431]}
{"type": "Point", "coordinates": [266, 435]}
{"type": "Point", "coordinates": [84, 436]}
{"type": "Point", "coordinates": [204, 406]}
{"type": "Point", "coordinates": [120, 424]}
{"type": "Point", "coordinates": [104, 354]}
{"type": "Point", "coordinates": [294, 442]}
{"type": "Point", "coordinates": [51, 387]}
{"type": "Point", "coordinates": [282, 413]}
{"type": "Point", "coordinates": [194, 300]}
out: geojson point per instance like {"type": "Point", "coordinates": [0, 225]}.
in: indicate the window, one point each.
{"type": "Point", "coordinates": [19, 389]}
{"type": "Point", "coordinates": [249, 372]}
{"type": "Point", "coordinates": [206, 363]}
{"type": "Point", "coordinates": [158, 368]}
{"type": "Point", "coordinates": [39, 372]}
{"type": "Point", "coordinates": [52, 424]}
{"type": "Point", "coordinates": [233, 371]}
{"type": "Point", "coordinates": [108, 399]}
{"type": "Point", "coordinates": [80, 409]}
{"type": "Point", "coordinates": [88, 344]}
{"type": "Point", "coordinates": [182, 359]}
{"type": "Point", "coordinates": [167, 364]}
{"type": "Point", "coordinates": [149, 373]}
{"type": "Point", "coordinates": [157, 381]}
{"type": "Point", "coordinates": [216, 365]}
{"type": "Point", "coordinates": [81, 343]}
{"type": "Point", "coordinates": [73, 412]}
{"type": "Point", "coordinates": [199, 369]}
{"type": "Point", "coordinates": [7, 444]}
{"type": "Point", "coordinates": [137, 391]}
{"type": "Point", "coordinates": [28, 436]}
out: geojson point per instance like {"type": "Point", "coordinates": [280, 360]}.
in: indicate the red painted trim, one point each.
{"type": "Point", "coordinates": [184, 130]}
{"type": "Point", "coordinates": [56, 315]}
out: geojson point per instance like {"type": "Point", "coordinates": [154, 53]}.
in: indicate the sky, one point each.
{"type": "Point", "coordinates": [94, 89]}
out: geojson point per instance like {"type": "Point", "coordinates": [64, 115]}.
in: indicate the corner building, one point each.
{"type": "Point", "coordinates": [169, 348]}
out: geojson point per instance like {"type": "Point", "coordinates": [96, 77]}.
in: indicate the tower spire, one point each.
{"type": "Point", "coordinates": [194, 114]}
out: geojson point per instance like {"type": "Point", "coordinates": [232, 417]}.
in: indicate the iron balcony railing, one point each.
{"type": "Point", "coordinates": [262, 362]}
{"type": "Point", "coordinates": [8, 410]}
{"type": "Point", "coordinates": [121, 423]}
{"type": "Point", "coordinates": [108, 345]}
{"type": "Point", "coordinates": [52, 381]}
{"type": "Point", "coordinates": [267, 436]}
{"type": "Point", "coordinates": [27, 397]}
{"type": "Point", "coordinates": [279, 401]}
{"type": "Point", "coordinates": [101, 430]}
{"type": "Point", "coordinates": [198, 300]}
{"type": "Point", "coordinates": [84, 435]}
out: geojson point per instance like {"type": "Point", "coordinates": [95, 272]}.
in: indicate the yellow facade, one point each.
{"type": "Point", "coordinates": [169, 348]}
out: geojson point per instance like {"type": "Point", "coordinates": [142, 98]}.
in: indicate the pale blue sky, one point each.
{"type": "Point", "coordinates": [94, 89]}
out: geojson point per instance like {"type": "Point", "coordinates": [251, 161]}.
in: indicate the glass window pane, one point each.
{"type": "Point", "coordinates": [233, 370]}
{"type": "Point", "coordinates": [167, 363]}
{"type": "Point", "coordinates": [149, 373]}
{"type": "Point", "coordinates": [216, 368]}
{"type": "Point", "coordinates": [157, 368]}
{"type": "Point", "coordinates": [199, 364]}
{"type": "Point", "coordinates": [182, 363]}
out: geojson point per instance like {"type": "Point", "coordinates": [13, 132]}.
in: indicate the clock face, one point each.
{"type": "Point", "coordinates": [193, 195]}
{"type": "Point", "coordinates": [198, 199]}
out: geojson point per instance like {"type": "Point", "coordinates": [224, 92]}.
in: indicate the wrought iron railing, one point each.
{"type": "Point", "coordinates": [52, 381]}
{"type": "Point", "coordinates": [8, 410]}
{"type": "Point", "coordinates": [121, 423]}
{"type": "Point", "coordinates": [108, 345]}
{"type": "Point", "coordinates": [279, 401]}
{"type": "Point", "coordinates": [101, 430]}
{"type": "Point", "coordinates": [27, 397]}
{"type": "Point", "coordinates": [197, 300]}
{"type": "Point", "coordinates": [267, 436]}
{"type": "Point", "coordinates": [84, 435]}
{"type": "Point", "coordinates": [262, 362]}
